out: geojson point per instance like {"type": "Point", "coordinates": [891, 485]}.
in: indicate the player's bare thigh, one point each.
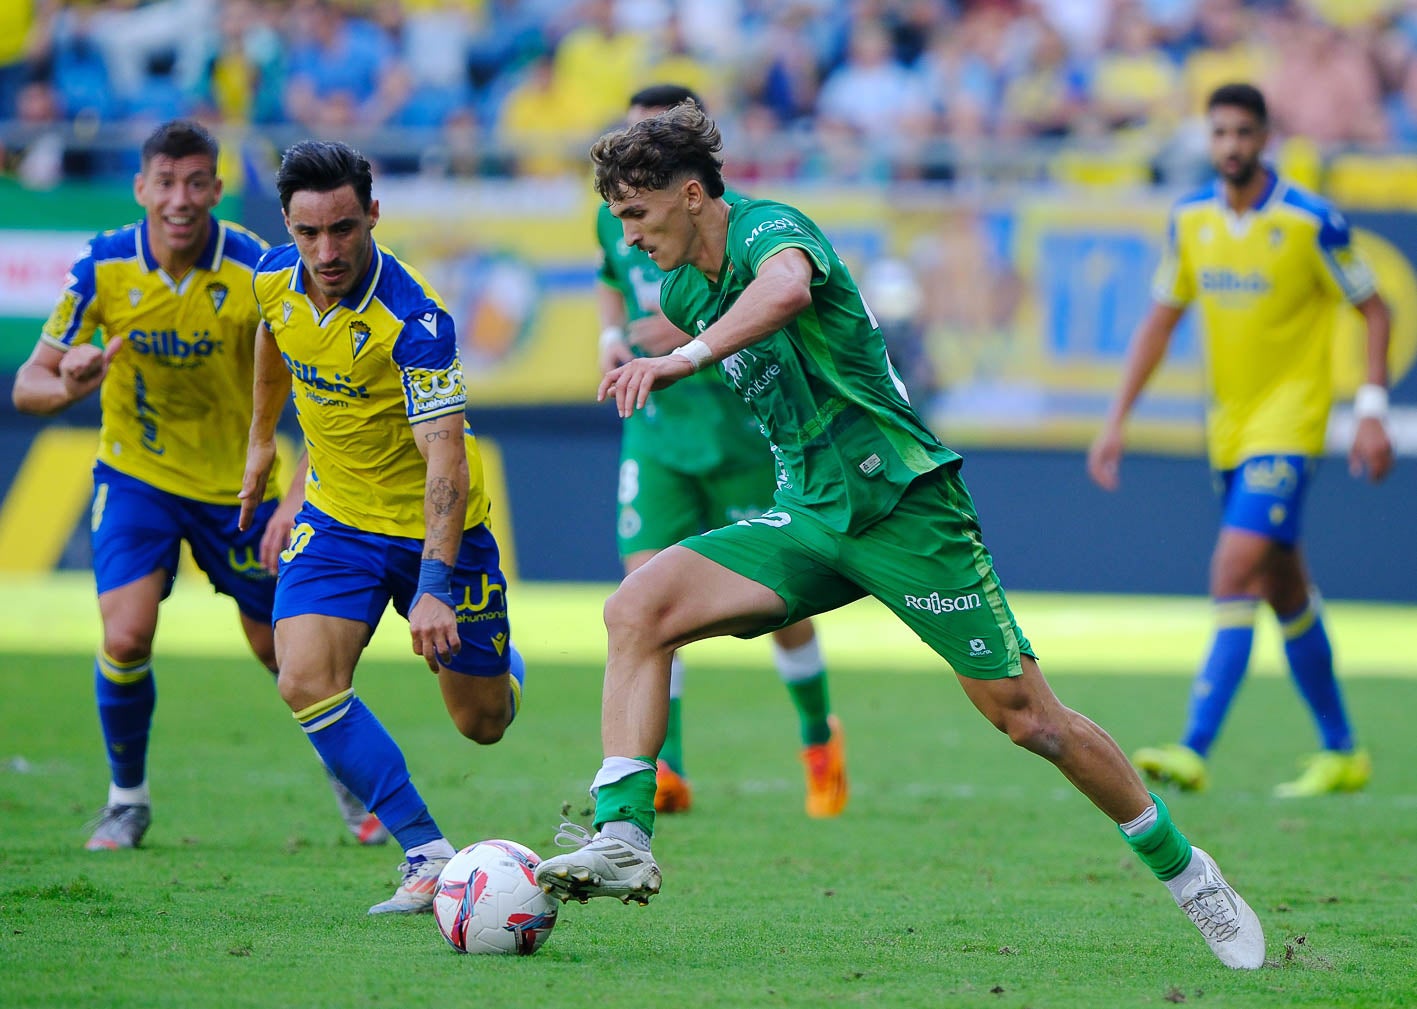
{"type": "Point", "coordinates": [681, 596]}
{"type": "Point", "coordinates": [317, 655]}
{"type": "Point", "coordinates": [129, 615]}
{"type": "Point", "coordinates": [1249, 564]}
{"type": "Point", "coordinates": [480, 706]}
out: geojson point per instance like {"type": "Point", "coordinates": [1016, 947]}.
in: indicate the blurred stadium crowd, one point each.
{"type": "Point", "coordinates": [950, 90]}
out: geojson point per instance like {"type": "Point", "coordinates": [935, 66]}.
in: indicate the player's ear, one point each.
{"type": "Point", "coordinates": [693, 195]}
{"type": "Point", "coordinates": [373, 213]}
{"type": "Point", "coordinates": [216, 188]}
{"type": "Point", "coordinates": [138, 183]}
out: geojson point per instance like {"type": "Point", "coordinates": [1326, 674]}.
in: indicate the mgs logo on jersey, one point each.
{"type": "Point", "coordinates": [431, 390]}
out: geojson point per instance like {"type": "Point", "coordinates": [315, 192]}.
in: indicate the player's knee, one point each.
{"type": "Point", "coordinates": [1028, 728]}
{"type": "Point", "coordinates": [482, 727]}
{"type": "Point", "coordinates": [126, 646]}
{"type": "Point", "coordinates": [631, 614]}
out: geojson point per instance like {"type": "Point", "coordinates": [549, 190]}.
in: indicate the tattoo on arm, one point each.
{"type": "Point", "coordinates": [433, 436]}
{"type": "Point", "coordinates": [443, 496]}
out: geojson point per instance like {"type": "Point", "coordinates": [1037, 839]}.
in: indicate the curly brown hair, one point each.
{"type": "Point", "coordinates": [679, 143]}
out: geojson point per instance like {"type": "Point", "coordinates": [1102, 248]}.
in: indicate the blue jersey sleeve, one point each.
{"type": "Point", "coordinates": [75, 316]}
{"type": "Point", "coordinates": [426, 354]}
{"type": "Point", "coordinates": [1347, 271]}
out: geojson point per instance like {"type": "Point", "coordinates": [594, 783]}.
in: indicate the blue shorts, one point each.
{"type": "Point", "coordinates": [138, 529]}
{"type": "Point", "coordinates": [1265, 495]}
{"type": "Point", "coordinates": [335, 570]}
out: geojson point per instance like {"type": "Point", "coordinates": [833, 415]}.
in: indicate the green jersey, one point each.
{"type": "Point", "coordinates": [697, 425]}
{"type": "Point", "coordinates": [847, 441]}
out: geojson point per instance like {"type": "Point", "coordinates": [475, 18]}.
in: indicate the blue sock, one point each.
{"type": "Point", "coordinates": [365, 757]}
{"type": "Point", "coordinates": [1215, 685]}
{"type": "Point", "coordinates": [1311, 663]}
{"type": "Point", "coordinates": [126, 696]}
{"type": "Point", "coordinates": [518, 671]}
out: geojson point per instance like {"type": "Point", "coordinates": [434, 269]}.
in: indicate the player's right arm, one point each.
{"type": "Point", "coordinates": [1148, 347]}
{"type": "Point", "coordinates": [53, 379]}
{"type": "Point", "coordinates": [269, 392]}
{"type": "Point", "coordinates": [1172, 288]}
{"type": "Point", "coordinates": [66, 366]}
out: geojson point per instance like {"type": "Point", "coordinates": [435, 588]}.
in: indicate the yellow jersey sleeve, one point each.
{"type": "Point", "coordinates": [1174, 282]}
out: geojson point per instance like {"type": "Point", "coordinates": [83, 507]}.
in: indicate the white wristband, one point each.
{"type": "Point", "coordinates": [697, 352]}
{"type": "Point", "coordinates": [1370, 401]}
{"type": "Point", "coordinates": [611, 335]}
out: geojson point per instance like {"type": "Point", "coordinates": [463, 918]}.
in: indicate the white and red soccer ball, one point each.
{"type": "Point", "coordinates": [488, 901]}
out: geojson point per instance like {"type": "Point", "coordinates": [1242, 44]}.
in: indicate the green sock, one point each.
{"type": "Point", "coordinates": [630, 798]}
{"type": "Point", "coordinates": [1163, 849]}
{"type": "Point", "coordinates": [672, 752]}
{"type": "Point", "coordinates": [809, 696]}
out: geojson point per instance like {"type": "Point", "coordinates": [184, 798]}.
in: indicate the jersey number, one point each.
{"type": "Point", "coordinates": [300, 538]}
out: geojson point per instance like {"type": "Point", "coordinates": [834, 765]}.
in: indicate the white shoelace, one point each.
{"type": "Point", "coordinates": [1213, 913]}
{"type": "Point", "coordinates": [573, 836]}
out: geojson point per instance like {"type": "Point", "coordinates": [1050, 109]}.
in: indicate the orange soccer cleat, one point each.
{"type": "Point", "coordinates": [826, 774]}
{"type": "Point", "coordinates": [671, 792]}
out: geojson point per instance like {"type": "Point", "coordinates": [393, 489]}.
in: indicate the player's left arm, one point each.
{"type": "Point", "coordinates": [1371, 453]}
{"type": "Point", "coordinates": [432, 619]}
{"type": "Point", "coordinates": [1345, 273]}
{"type": "Point", "coordinates": [781, 290]}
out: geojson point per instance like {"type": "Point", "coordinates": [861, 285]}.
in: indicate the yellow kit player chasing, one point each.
{"type": "Point", "coordinates": [1267, 262]}
{"type": "Point", "coordinates": [172, 295]}
{"type": "Point", "coordinates": [394, 502]}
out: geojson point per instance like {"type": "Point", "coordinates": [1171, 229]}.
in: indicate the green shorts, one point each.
{"type": "Point", "coordinates": [925, 560]}
{"type": "Point", "coordinates": [658, 506]}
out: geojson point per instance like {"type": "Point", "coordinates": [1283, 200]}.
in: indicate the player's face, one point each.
{"type": "Point", "coordinates": [333, 233]}
{"type": "Point", "coordinates": [1237, 139]}
{"type": "Point", "coordinates": [178, 195]}
{"type": "Point", "coordinates": [659, 222]}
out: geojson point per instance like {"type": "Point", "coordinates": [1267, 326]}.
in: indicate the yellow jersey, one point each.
{"type": "Point", "coordinates": [1267, 282]}
{"type": "Point", "coordinates": [381, 359]}
{"type": "Point", "coordinates": [177, 398]}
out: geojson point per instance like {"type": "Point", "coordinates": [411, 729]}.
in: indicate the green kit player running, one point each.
{"type": "Point", "coordinates": [871, 504]}
{"type": "Point", "coordinates": [695, 459]}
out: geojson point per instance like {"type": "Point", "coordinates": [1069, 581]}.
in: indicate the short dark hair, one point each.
{"type": "Point", "coordinates": [664, 96]}
{"type": "Point", "coordinates": [323, 166]}
{"type": "Point", "coordinates": [656, 152]}
{"type": "Point", "coordinates": [180, 138]}
{"type": "Point", "coordinates": [1240, 96]}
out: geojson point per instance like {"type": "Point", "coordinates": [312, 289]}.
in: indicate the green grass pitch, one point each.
{"type": "Point", "coordinates": [964, 873]}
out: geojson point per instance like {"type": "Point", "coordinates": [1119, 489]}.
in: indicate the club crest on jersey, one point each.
{"type": "Point", "coordinates": [134, 296]}
{"type": "Point", "coordinates": [217, 292]}
{"type": "Point", "coordinates": [285, 309]}
{"type": "Point", "coordinates": [358, 337]}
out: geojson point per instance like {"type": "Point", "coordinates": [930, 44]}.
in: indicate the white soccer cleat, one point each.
{"type": "Point", "coordinates": [600, 866]}
{"type": "Point", "coordinates": [362, 824]}
{"type": "Point", "coordinates": [1231, 929]}
{"type": "Point", "coordinates": [417, 889]}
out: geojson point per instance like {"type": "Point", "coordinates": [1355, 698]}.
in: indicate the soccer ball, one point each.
{"type": "Point", "coordinates": [488, 900]}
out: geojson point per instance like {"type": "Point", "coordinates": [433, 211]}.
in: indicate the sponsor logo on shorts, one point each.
{"type": "Point", "coordinates": [1275, 475]}
{"type": "Point", "coordinates": [978, 647]}
{"type": "Point", "coordinates": [936, 603]}
{"type": "Point", "coordinates": [469, 612]}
